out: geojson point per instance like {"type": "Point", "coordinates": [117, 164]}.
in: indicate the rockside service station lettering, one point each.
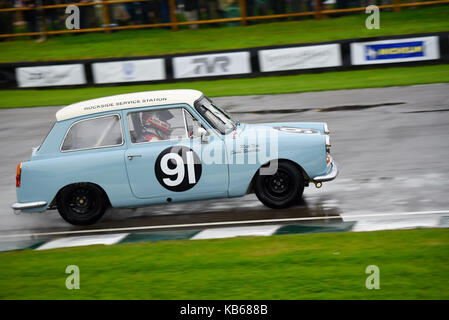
{"type": "Point", "coordinates": [124, 103]}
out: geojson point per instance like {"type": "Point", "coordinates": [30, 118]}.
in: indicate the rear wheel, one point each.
{"type": "Point", "coordinates": [81, 203]}
{"type": "Point", "coordinates": [282, 189]}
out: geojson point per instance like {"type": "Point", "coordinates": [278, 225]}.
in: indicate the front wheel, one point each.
{"type": "Point", "coordinates": [81, 204]}
{"type": "Point", "coordinates": [282, 189]}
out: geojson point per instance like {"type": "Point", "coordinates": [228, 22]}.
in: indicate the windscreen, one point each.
{"type": "Point", "coordinates": [217, 118]}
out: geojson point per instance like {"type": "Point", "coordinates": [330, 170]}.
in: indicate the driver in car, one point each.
{"type": "Point", "coordinates": [155, 125]}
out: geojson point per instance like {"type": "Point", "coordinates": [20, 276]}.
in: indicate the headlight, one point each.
{"type": "Point", "coordinates": [326, 128]}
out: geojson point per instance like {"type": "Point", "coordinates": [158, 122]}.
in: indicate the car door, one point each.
{"type": "Point", "coordinates": [167, 160]}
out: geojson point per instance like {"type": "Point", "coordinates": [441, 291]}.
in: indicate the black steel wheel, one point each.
{"type": "Point", "coordinates": [282, 189]}
{"type": "Point", "coordinates": [81, 203]}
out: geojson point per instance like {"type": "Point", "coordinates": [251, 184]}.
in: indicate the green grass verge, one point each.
{"type": "Point", "coordinates": [162, 41]}
{"type": "Point", "coordinates": [414, 264]}
{"type": "Point", "coordinates": [264, 85]}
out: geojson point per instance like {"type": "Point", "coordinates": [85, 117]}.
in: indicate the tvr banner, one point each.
{"type": "Point", "coordinates": [207, 65]}
{"type": "Point", "coordinates": [394, 51]}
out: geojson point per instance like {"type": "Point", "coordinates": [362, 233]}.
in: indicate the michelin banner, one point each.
{"type": "Point", "coordinates": [207, 65]}
{"type": "Point", "coordinates": [394, 51]}
{"type": "Point", "coordinates": [129, 71]}
{"type": "Point", "coordinates": [50, 76]}
{"type": "Point", "coordinates": [309, 57]}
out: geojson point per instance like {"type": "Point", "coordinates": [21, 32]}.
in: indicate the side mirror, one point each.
{"type": "Point", "coordinates": [203, 134]}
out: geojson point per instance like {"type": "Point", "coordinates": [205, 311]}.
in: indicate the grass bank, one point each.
{"type": "Point", "coordinates": [414, 264]}
{"type": "Point", "coordinates": [372, 78]}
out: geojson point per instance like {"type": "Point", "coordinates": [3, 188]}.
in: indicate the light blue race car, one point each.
{"type": "Point", "coordinates": [145, 148]}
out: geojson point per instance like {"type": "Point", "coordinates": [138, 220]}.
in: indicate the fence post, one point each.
{"type": "Point", "coordinates": [397, 8]}
{"type": "Point", "coordinates": [317, 9]}
{"type": "Point", "coordinates": [41, 20]}
{"type": "Point", "coordinates": [173, 18]}
{"type": "Point", "coordinates": [106, 18]}
{"type": "Point", "coordinates": [243, 12]}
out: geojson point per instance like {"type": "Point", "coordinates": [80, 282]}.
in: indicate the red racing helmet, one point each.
{"type": "Point", "coordinates": [155, 122]}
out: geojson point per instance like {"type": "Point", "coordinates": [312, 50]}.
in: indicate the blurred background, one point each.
{"type": "Point", "coordinates": [383, 92]}
{"type": "Point", "coordinates": [47, 17]}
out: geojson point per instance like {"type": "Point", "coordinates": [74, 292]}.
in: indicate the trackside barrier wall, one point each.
{"type": "Point", "coordinates": [406, 50]}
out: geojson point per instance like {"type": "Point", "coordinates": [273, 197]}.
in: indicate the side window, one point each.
{"type": "Point", "coordinates": [192, 125]}
{"type": "Point", "coordinates": [157, 125]}
{"type": "Point", "coordinates": [94, 133]}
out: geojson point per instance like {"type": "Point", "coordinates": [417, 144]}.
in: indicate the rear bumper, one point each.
{"type": "Point", "coordinates": [333, 173]}
{"type": "Point", "coordinates": [28, 205]}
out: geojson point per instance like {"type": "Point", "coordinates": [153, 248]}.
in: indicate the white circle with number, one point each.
{"type": "Point", "coordinates": [178, 168]}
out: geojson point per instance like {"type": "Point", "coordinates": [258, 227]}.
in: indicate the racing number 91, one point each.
{"type": "Point", "coordinates": [178, 168]}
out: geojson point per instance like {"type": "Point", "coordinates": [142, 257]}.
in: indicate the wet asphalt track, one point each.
{"type": "Point", "coordinates": [392, 145]}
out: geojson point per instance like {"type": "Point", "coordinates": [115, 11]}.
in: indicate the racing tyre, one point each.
{"type": "Point", "coordinates": [282, 189]}
{"type": "Point", "coordinates": [81, 204]}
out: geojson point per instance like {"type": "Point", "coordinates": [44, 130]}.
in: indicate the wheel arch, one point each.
{"type": "Point", "coordinates": [53, 204]}
{"type": "Point", "coordinates": [297, 165]}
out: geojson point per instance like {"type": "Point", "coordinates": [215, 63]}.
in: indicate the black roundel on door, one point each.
{"type": "Point", "coordinates": [178, 168]}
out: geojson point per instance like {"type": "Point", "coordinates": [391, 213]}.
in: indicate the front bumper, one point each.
{"type": "Point", "coordinates": [27, 205]}
{"type": "Point", "coordinates": [330, 176]}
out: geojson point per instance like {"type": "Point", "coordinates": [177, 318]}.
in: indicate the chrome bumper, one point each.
{"type": "Point", "coordinates": [330, 176]}
{"type": "Point", "coordinates": [28, 205]}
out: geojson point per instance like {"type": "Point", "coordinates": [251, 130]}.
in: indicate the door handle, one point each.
{"type": "Point", "coordinates": [131, 156]}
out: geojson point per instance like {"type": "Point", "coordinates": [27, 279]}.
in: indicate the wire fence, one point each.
{"type": "Point", "coordinates": [42, 18]}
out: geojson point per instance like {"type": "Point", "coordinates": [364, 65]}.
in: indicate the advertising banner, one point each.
{"type": "Point", "coordinates": [207, 65]}
{"type": "Point", "coordinates": [309, 57]}
{"type": "Point", "coordinates": [49, 76]}
{"type": "Point", "coordinates": [129, 71]}
{"type": "Point", "coordinates": [393, 51]}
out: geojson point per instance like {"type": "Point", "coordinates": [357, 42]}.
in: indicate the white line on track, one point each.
{"type": "Point", "coordinates": [225, 223]}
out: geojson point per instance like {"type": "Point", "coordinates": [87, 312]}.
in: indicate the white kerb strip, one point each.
{"type": "Point", "coordinates": [218, 233]}
{"type": "Point", "coordinates": [106, 239]}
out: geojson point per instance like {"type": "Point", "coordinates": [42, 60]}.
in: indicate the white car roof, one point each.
{"type": "Point", "coordinates": [127, 101]}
